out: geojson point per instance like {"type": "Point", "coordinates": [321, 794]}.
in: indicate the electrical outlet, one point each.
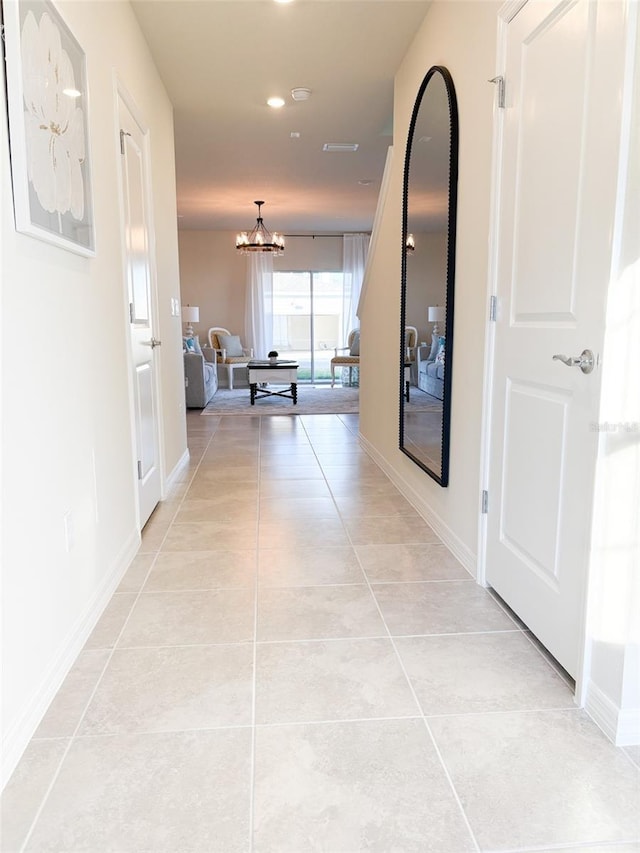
{"type": "Point", "coordinates": [69, 531]}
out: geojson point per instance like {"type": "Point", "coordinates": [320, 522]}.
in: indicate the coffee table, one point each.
{"type": "Point", "coordinates": [280, 372]}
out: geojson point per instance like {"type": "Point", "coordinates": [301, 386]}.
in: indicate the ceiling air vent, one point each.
{"type": "Point", "coordinates": [340, 146]}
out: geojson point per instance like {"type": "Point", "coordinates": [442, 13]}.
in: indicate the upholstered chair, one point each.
{"type": "Point", "coordinates": [349, 357]}
{"type": "Point", "coordinates": [230, 351]}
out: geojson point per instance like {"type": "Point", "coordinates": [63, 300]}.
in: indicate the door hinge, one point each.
{"type": "Point", "coordinates": [493, 308]}
{"type": "Point", "coordinates": [139, 469]}
{"type": "Point", "coordinates": [485, 501]}
{"type": "Point", "coordinates": [131, 318]}
{"type": "Point", "coordinates": [123, 133]}
{"type": "Point", "coordinates": [499, 81]}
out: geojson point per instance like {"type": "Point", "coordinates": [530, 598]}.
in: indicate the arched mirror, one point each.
{"type": "Point", "coordinates": [428, 273]}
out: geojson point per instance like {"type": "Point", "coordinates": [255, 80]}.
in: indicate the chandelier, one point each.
{"type": "Point", "coordinates": [260, 240]}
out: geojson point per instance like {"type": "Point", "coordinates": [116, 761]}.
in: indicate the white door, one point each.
{"type": "Point", "coordinates": [141, 309]}
{"type": "Point", "coordinates": [558, 174]}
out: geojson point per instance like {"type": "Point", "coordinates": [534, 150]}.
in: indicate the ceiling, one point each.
{"type": "Point", "coordinates": [221, 59]}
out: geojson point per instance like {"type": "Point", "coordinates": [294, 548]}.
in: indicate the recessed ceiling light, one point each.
{"type": "Point", "coordinates": [365, 182]}
{"type": "Point", "coordinates": [276, 103]}
{"type": "Point", "coordinates": [340, 146]}
{"type": "Point", "coordinates": [295, 134]}
{"type": "Point", "coordinates": [301, 93]}
{"type": "Point", "coordinates": [283, 1]}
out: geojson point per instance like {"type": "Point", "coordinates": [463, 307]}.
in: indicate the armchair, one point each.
{"type": "Point", "coordinates": [351, 357]}
{"type": "Point", "coordinates": [410, 342]}
{"type": "Point", "coordinates": [230, 350]}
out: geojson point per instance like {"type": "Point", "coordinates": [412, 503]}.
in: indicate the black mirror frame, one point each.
{"type": "Point", "coordinates": [443, 477]}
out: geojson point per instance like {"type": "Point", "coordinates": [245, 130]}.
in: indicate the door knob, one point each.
{"type": "Point", "coordinates": [153, 343]}
{"type": "Point", "coordinates": [585, 361]}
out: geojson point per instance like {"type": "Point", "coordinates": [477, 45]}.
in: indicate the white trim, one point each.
{"type": "Point", "coordinates": [375, 231]}
{"type": "Point", "coordinates": [510, 9]}
{"type": "Point", "coordinates": [172, 479]}
{"type": "Point", "coordinates": [621, 726]}
{"type": "Point", "coordinates": [444, 532]}
{"type": "Point", "coordinates": [18, 736]}
{"type": "Point", "coordinates": [492, 290]}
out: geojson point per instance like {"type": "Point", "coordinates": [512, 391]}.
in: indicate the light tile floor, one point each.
{"type": "Point", "coordinates": [295, 663]}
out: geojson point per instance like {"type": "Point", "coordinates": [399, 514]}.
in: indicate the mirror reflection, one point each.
{"type": "Point", "coordinates": [428, 262]}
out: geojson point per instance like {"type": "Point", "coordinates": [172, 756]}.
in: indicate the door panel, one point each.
{"type": "Point", "coordinates": [145, 423]}
{"type": "Point", "coordinates": [556, 210]}
{"type": "Point", "coordinates": [536, 417]}
{"type": "Point", "coordinates": [551, 130]}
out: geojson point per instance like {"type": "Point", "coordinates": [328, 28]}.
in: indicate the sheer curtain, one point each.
{"type": "Point", "coordinates": [354, 259]}
{"type": "Point", "coordinates": [258, 317]}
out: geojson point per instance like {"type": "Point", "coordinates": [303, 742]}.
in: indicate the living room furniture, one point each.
{"type": "Point", "coordinates": [351, 357]}
{"type": "Point", "coordinates": [407, 380]}
{"type": "Point", "coordinates": [278, 372]}
{"type": "Point", "coordinates": [200, 377]}
{"type": "Point", "coordinates": [431, 368]}
{"type": "Point", "coordinates": [410, 346]}
{"type": "Point", "coordinates": [230, 351]}
{"type": "Point", "coordinates": [190, 315]}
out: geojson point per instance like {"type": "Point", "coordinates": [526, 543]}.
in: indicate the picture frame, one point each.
{"type": "Point", "coordinates": [47, 102]}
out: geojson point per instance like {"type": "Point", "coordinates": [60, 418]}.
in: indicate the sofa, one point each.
{"type": "Point", "coordinates": [200, 376]}
{"type": "Point", "coordinates": [431, 366]}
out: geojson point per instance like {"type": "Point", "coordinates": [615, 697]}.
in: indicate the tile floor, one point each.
{"type": "Point", "coordinates": [295, 663]}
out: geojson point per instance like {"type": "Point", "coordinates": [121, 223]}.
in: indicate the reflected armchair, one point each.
{"type": "Point", "coordinates": [351, 357]}
{"type": "Point", "coordinates": [230, 351]}
{"type": "Point", "coordinates": [410, 342]}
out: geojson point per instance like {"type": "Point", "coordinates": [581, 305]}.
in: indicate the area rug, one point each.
{"type": "Point", "coordinates": [311, 401]}
{"type": "Point", "coordinates": [419, 402]}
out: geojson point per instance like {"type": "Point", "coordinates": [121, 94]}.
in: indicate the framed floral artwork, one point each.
{"type": "Point", "coordinates": [47, 100]}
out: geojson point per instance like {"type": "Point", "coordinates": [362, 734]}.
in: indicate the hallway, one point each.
{"type": "Point", "coordinates": [294, 663]}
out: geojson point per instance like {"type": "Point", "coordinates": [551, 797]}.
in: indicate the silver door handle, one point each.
{"type": "Point", "coordinates": [153, 343]}
{"type": "Point", "coordinates": [585, 361]}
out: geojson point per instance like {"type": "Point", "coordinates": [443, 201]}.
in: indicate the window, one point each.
{"type": "Point", "coordinates": [308, 320]}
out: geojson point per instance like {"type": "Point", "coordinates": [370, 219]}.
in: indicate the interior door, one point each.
{"type": "Point", "coordinates": [558, 175]}
{"type": "Point", "coordinates": [141, 309]}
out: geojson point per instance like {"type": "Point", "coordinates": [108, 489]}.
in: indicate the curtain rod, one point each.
{"type": "Point", "coordinates": [313, 236]}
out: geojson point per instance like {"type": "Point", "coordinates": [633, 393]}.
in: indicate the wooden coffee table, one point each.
{"type": "Point", "coordinates": [279, 372]}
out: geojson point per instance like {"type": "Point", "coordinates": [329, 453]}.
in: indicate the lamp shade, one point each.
{"type": "Point", "coordinates": [436, 313]}
{"type": "Point", "coordinates": [191, 313]}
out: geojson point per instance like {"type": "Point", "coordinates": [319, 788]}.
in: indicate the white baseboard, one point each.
{"type": "Point", "coordinates": [620, 725]}
{"type": "Point", "coordinates": [172, 478]}
{"type": "Point", "coordinates": [458, 548]}
{"type": "Point", "coordinates": [18, 735]}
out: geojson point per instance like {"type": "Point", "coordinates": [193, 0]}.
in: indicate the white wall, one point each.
{"type": "Point", "coordinates": [66, 443]}
{"type": "Point", "coordinates": [462, 37]}
{"type": "Point", "coordinates": [212, 276]}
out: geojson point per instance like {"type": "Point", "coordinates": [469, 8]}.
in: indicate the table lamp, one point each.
{"type": "Point", "coordinates": [437, 314]}
{"type": "Point", "coordinates": [190, 315]}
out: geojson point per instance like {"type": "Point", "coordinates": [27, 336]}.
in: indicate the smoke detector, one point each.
{"type": "Point", "coordinates": [301, 94]}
